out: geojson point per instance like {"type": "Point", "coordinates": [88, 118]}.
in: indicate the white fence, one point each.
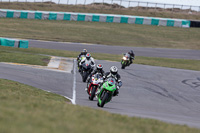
{"type": "Point", "coordinates": [121, 3]}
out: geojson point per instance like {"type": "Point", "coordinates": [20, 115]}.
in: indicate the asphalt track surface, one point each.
{"type": "Point", "coordinates": [94, 48]}
{"type": "Point", "coordinates": [167, 94]}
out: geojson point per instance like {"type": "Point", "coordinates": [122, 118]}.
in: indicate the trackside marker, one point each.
{"type": "Point", "coordinates": [74, 84]}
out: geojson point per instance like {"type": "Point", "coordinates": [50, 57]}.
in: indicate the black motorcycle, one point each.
{"type": "Point", "coordinates": [85, 71]}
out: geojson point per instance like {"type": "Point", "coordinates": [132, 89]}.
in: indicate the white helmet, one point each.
{"type": "Point", "coordinates": [99, 67]}
{"type": "Point", "coordinates": [113, 70]}
{"type": "Point", "coordinates": [88, 55]}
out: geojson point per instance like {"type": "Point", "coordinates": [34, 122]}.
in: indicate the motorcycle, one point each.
{"type": "Point", "coordinates": [106, 93]}
{"type": "Point", "coordinates": [85, 71]}
{"type": "Point", "coordinates": [93, 86]}
{"type": "Point", "coordinates": [125, 61]}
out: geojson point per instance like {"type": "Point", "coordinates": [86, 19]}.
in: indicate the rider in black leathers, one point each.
{"type": "Point", "coordinates": [99, 69]}
{"type": "Point", "coordinates": [114, 74]}
{"type": "Point", "coordinates": [84, 52]}
{"type": "Point", "coordinates": [132, 56]}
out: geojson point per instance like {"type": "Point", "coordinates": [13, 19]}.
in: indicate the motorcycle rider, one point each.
{"type": "Point", "coordinates": [132, 56]}
{"type": "Point", "coordinates": [83, 53]}
{"type": "Point", "coordinates": [99, 69]}
{"type": "Point", "coordinates": [113, 74]}
{"type": "Point", "coordinates": [88, 59]}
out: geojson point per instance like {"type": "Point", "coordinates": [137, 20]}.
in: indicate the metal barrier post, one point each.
{"type": "Point", "coordinates": [147, 5]}
{"type": "Point", "coordinates": [155, 7]}
{"type": "Point", "coordinates": [138, 5]}
{"type": "Point", "coordinates": [190, 9]}
{"type": "Point", "coordinates": [128, 4]}
{"type": "Point", "coordinates": [85, 2]}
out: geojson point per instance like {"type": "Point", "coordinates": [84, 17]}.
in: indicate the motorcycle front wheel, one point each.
{"type": "Point", "coordinates": [84, 77]}
{"type": "Point", "coordinates": [94, 88]}
{"type": "Point", "coordinates": [105, 98]}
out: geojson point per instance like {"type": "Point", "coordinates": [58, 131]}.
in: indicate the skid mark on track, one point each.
{"type": "Point", "coordinates": [164, 93]}
{"type": "Point", "coordinates": [174, 96]}
{"type": "Point", "coordinates": [193, 83]}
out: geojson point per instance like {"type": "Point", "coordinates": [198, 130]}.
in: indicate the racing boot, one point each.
{"type": "Point", "coordinates": [116, 92]}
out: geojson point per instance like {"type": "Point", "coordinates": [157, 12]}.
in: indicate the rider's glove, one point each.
{"type": "Point", "coordinates": [120, 83]}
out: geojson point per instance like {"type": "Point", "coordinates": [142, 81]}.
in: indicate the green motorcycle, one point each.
{"type": "Point", "coordinates": [106, 92]}
{"type": "Point", "coordinates": [125, 61]}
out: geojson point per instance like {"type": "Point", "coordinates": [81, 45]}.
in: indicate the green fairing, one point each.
{"type": "Point", "coordinates": [124, 62]}
{"type": "Point", "coordinates": [108, 88]}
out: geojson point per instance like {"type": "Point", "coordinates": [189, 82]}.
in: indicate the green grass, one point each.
{"type": "Point", "coordinates": [153, 61]}
{"type": "Point", "coordinates": [25, 109]}
{"type": "Point", "coordinates": [99, 9]}
{"type": "Point", "coordinates": [32, 59]}
{"type": "Point", "coordinates": [102, 33]}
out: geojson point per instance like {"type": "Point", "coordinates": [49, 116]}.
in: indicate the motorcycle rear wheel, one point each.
{"type": "Point", "coordinates": [123, 66]}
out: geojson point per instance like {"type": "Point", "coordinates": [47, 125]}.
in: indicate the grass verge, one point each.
{"type": "Point", "coordinates": [25, 109]}
{"type": "Point", "coordinates": [153, 61]}
{"type": "Point", "coordinates": [102, 33]}
{"type": "Point", "coordinates": [32, 59]}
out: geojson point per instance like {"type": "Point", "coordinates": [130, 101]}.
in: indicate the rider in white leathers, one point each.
{"type": "Point", "coordinates": [88, 60]}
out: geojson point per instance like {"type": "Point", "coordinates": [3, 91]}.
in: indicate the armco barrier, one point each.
{"type": "Point", "coordinates": [11, 42]}
{"type": "Point", "coordinates": [25, 14]}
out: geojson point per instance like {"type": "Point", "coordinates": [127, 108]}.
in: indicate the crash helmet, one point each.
{"type": "Point", "coordinates": [111, 81]}
{"type": "Point", "coordinates": [88, 55]}
{"type": "Point", "coordinates": [131, 53]}
{"type": "Point", "coordinates": [84, 51]}
{"type": "Point", "coordinates": [99, 67]}
{"type": "Point", "coordinates": [113, 70]}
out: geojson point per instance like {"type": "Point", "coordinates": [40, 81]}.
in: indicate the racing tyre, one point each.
{"type": "Point", "coordinates": [93, 93]}
{"type": "Point", "coordinates": [98, 104]}
{"type": "Point", "coordinates": [84, 77]}
{"type": "Point", "coordinates": [123, 66]}
{"type": "Point", "coordinates": [105, 98]}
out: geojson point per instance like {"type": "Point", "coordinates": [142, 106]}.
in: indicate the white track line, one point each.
{"type": "Point", "coordinates": [74, 84]}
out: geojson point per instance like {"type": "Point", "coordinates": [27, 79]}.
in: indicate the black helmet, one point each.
{"type": "Point", "coordinates": [99, 67]}
{"type": "Point", "coordinates": [131, 53]}
{"type": "Point", "coordinates": [113, 70]}
{"type": "Point", "coordinates": [88, 55]}
{"type": "Point", "coordinates": [84, 51]}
